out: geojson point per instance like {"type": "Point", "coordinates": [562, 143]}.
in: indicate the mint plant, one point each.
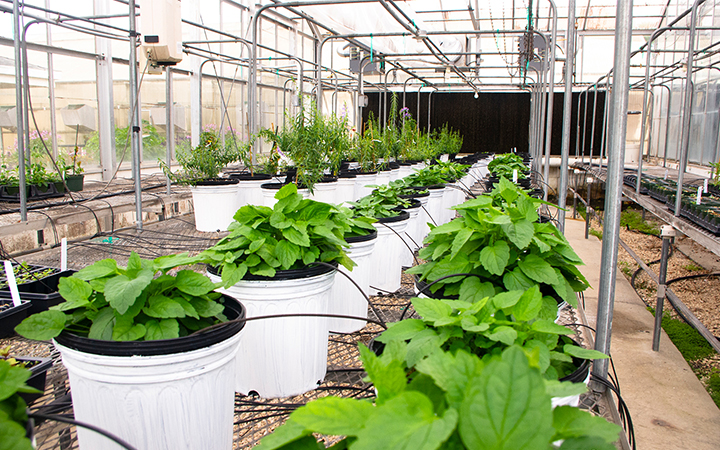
{"type": "Point", "coordinates": [294, 233]}
{"type": "Point", "coordinates": [498, 238]}
{"type": "Point", "coordinates": [450, 401]}
{"type": "Point", "coordinates": [13, 410]}
{"type": "Point", "coordinates": [381, 203]}
{"type": "Point", "coordinates": [108, 302]}
{"type": "Point", "coordinates": [504, 166]}
{"type": "Point", "coordinates": [205, 161]}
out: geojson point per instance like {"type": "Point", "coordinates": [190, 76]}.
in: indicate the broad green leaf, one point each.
{"type": "Point", "coordinates": [164, 263]}
{"type": "Point", "coordinates": [134, 265]}
{"type": "Point", "coordinates": [538, 354]}
{"type": "Point", "coordinates": [12, 436]}
{"type": "Point", "coordinates": [406, 422]}
{"type": "Point", "coordinates": [461, 238]}
{"type": "Point", "coordinates": [503, 334]}
{"type": "Point", "coordinates": [103, 323]}
{"type": "Point", "coordinates": [506, 299]}
{"type": "Point", "coordinates": [585, 443]}
{"type": "Point", "coordinates": [500, 219]}
{"type": "Point", "coordinates": [479, 202]}
{"type": "Point", "coordinates": [583, 353]}
{"type": "Point", "coordinates": [549, 309]}
{"type": "Point", "coordinates": [564, 290]}
{"type": "Point", "coordinates": [206, 308]}
{"type": "Point", "coordinates": [255, 246]}
{"type": "Point", "coordinates": [334, 415]}
{"type": "Point", "coordinates": [506, 407]}
{"type": "Point", "coordinates": [162, 307]}
{"type": "Point", "coordinates": [121, 291]}
{"type": "Point", "coordinates": [403, 330]}
{"type": "Point", "coordinates": [233, 273]}
{"type": "Point", "coordinates": [296, 236]}
{"type": "Point", "coordinates": [473, 290]}
{"type": "Point", "coordinates": [193, 283]}
{"type": "Point", "coordinates": [287, 433]}
{"type": "Point", "coordinates": [74, 290]}
{"type": "Point", "coordinates": [388, 377]}
{"type": "Point", "coordinates": [287, 253]}
{"type": "Point", "coordinates": [519, 233]}
{"type": "Point", "coordinates": [12, 378]}
{"type": "Point", "coordinates": [555, 388]}
{"type": "Point", "coordinates": [42, 326]}
{"type": "Point", "coordinates": [126, 330]}
{"type": "Point", "coordinates": [537, 269]}
{"type": "Point", "coordinates": [424, 343]}
{"type": "Point", "coordinates": [286, 191]}
{"type": "Point", "coordinates": [430, 309]}
{"type": "Point", "coordinates": [450, 227]}
{"type": "Point", "coordinates": [451, 373]}
{"type": "Point", "coordinates": [571, 422]}
{"type": "Point", "coordinates": [495, 257]}
{"type": "Point", "coordinates": [568, 253]}
{"type": "Point", "coordinates": [548, 326]}
{"type": "Point", "coordinates": [279, 221]}
{"type": "Point", "coordinates": [162, 329]}
{"type": "Point", "coordinates": [329, 235]}
{"type": "Point", "coordinates": [450, 267]}
{"type": "Point", "coordinates": [528, 305]}
{"type": "Point", "coordinates": [440, 250]}
{"type": "Point", "coordinates": [542, 246]}
{"type": "Point", "coordinates": [515, 280]}
{"type": "Point", "coordinates": [100, 269]}
{"type": "Point", "coordinates": [288, 204]}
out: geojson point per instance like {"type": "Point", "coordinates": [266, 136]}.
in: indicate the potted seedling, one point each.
{"type": "Point", "coordinates": [270, 262]}
{"type": "Point", "coordinates": [450, 400]}
{"type": "Point", "coordinates": [72, 171]}
{"type": "Point", "coordinates": [141, 339]}
{"type": "Point", "coordinates": [509, 165]}
{"type": "Point", "coordinates": [215, 199]}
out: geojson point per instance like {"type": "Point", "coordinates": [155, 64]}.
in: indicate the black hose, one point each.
{"type": "Point", "coordinates": [59, 418]}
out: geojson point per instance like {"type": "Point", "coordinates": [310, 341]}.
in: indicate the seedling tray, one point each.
{"type": "Point", "coordinates": [37, 379]}
{"type": "Point", "coordinates": [42, 293]}
{"type": "Point", "coordinates": [11, 316]}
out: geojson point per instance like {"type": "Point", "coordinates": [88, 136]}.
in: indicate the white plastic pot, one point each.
{"type": "Point", "coordinates": [418, 233]}
{"type": "Point", "coordinates": [286, 356]}
{"type": "Point", "coordinates": [270, 189]}
{"type": "Point", "coordinates": [405, 170]}
{"type": "Point", "coordinates": [383, 177]}
{"type": "Point", "coordinates": [387, 258]}
{"type": "Point", "coordinates": [345, 191]}
{"type": "Point", "coordinates": [215, 206]}
{"type": "Point", "coordinates": [345, 298]}
{"type": "Point", "coordinates": [434, 208]}
{"type": "Point", "coordinates": [182, 400]}
{"type": "Point", "coordinates": [324, 192]}
{"type": "Point", "coordinates": [394, 174]}
{"type": "Point", "coordinates": [406, 258]}
{"type": "Point", "coordinates": [361, 183]}
{"type": "Point", "coordinates": [249, 190]}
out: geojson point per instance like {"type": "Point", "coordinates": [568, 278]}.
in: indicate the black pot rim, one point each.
{"type": "Point", "coordinates": [364, 238]}
{"type": "Point", "coordinates": [372, 172]}
{"type": "Point", "coordinates": [424, 194]}
{"type": "Point", "coordinates": [250, 177]}
{"type": "Point", "coordinates": [311, 270]}
{"type": "Point", "coordinates": [404, 163]}
{"type": "Point", "coordinates": [347, 175]}
{"type": "Point", "coordinates": [217, 182]}
{"type": "Point", "coordinates": [233, 310]}
{"type": "Point", "coordinates": [414, 204]}
{"type": "Point", "coordinates": [328, 179]}
{"type": "Point", "coordinates": [438, 295]}
{"type": "Point", "coordinates": [403, 215]}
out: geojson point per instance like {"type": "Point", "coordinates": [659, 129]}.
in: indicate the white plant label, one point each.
{"type": "Point", "coordinates": [10, 275]}
{"type": "Point", "coordinates": [666, 174]}
{"type": "Point", "coordinates": [705, 186]}
{"type": "Point", "coordinates": [63, 254]}
{"type": "Point", "coordinates": [699, 195]}
{"type": "Point", "coordinates": [514, 175]}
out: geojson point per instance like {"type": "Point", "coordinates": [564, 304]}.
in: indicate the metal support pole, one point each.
{"type": "Point", "coordinates": [588, 208]}
{"type": "Point", "coordinates": [51, 89]}
{"type": "Point", "coordinates": [429, 99]}
{"type": "Point", "coordinates": [667, 233]}
{"type": "Point", "coordinates": [17, 32]}
{"type": "Point", "coordinates": [604, 135]}
{"type": "Point", "coordinates": [135, 117]}
{"type": "Point", "coordinates": [592, 126]}
{"type": "Point", "coordinates": [613, 184]}
{"type": "Point", "coordinates": [106, 113]}
{"type": "Point", "coordinates": [551, 95]}
{"type": "Point", "coordinates": [169, 123]}
{"type": "Point", "coordinates": [577, 131]}
{"type": "Point", "coordinates": [687, 107]}
{"type": "Point", "coordinates": [567, 115]}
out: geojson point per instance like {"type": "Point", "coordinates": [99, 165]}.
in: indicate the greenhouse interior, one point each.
{"type": "Point", "coordinates": [407, 197]}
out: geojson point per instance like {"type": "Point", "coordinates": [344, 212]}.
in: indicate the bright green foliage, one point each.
{"type": "Point", "coordinates": [691, 344]}
{"type": "Point", "coordinates": [294, 233]}
{"type": "Point", "coordinates": [384, 201]}
{"type": "Point", "coordinates": [499, 239]}
{"type": "Point", "coordinates": [13, 415]}
{"type": "Point", "coordinates": [205, 161]}
{"type": "Point", "coordinates": [504, 165]}
{"type": "Point", "coordinates": [450, 401]}
{"type": "Point", "coordinates": [440, 173]}
{"type": "Point", "coordinates": [109, 302]}
{"type": "Point", "coordinates": [633, 220]}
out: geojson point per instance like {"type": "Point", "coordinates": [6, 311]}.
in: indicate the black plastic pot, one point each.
{"type": "Point", "coordinates": [75, 183]}
{"type": "Point", "coordinates": [363, 238]}
{"type": "Point", "coordinates": [347, 174]}
{"type": "Point", "coordinates": [39, 374]}
{"type": "Point", "coordinates": [42, 293]}
{"type": "Point", "coordinates": [311, 270]}
{"type": "Point", "coordinates": [418, 195]}
{"type": "Point", "coordinates": [12, 316]}
{"type": "Point", "coordinates": [233, 310]}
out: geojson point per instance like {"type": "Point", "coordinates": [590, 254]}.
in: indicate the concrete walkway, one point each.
{"type": "Point", "coordinates": [670, 408]}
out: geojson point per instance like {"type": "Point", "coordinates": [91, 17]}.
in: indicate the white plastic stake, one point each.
{"type": "Point", "coordinates": [63, 254]}
{"type": "Point", "coordinates": [699, 195]}
{"type": "Point", "coordinates": [10, 274]}
{"type": "Point", "coordinates": [666, 174]}
{"type": "Point", "coordinates": [514, 175]}
{"type": "Point", "coordinates": [705, 186]}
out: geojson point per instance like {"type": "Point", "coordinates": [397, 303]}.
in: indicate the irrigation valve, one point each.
{"type": "Point", "coordinates": [667, 231]}
{"type": "Point", "coordinates": [363, 101]}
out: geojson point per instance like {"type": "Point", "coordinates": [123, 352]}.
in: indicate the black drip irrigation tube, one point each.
{"type": "Point", "coordinates": [65, 419]}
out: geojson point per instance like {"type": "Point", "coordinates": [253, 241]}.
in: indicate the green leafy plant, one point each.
{"type": "Point", "coordinates": [436, 174]}
{"type": "Point", "coordinates": [498, 238]}
{"type": "Point", "coordinates": [633, 220]}
{"type": "Point", "coordinates": [24, 274]}
{"type": "Point", "coordinates": [449, 141]}
{"type": "Point", "coordinates": [203, 162]}
{"type": "Point", "coordinates": [504, 166]}
{"type": "Point", "coordinates": [294, 233]}
{"type": "Point", "coordinates": [451, 401]}
{"type": "Point", "coordinates": [109, 302]}
{"type": "Point", "coordinates": [384, 201]}
{"type": "Point", "coordinates": [13, 410]}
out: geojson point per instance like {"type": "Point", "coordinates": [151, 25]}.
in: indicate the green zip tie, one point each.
{"type": "Point", "coordinates": [371, 48]}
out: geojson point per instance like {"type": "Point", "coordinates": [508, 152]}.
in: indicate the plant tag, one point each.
{"type": "Point", "coordinates": [666, 175]}
{"type": "Point", "coordinates": [705, 185]}
{"type": "Point", "coordinates": [63, 254]}
{"type": "Point", "coordinates": [10, 274]}
{"type": "Point", "coordinates": [699, 195]}
{"type": "Point", "coordinates": [514, 175]}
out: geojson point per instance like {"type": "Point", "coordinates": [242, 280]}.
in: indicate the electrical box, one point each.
{"type": "Point", "coordinates": [158, 117]}
{"type": "Point", "coordinates": [8, 117]}
{"type": "Point", "coordinates": [358, 56]}
{"type": "Point", "coordinates": [161, 31]}
{"type": "Point", "coordinates": [81, 117]}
